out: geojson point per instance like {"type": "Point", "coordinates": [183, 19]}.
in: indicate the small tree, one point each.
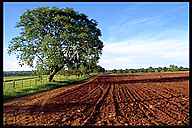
{"type": "Point", "coordinates": [159, 69]}
{"type": "Point", "coordinates": [181, 68]}
{"type": "Point", "coordinates": [173, 68]}
{"type": "Point", "coordinates": [165, 69]}
{"type": "Point", "coordinates": [114, 71]}
{"type": "Point", "coordinates": [120, 70]}
{"type": "Point", "coordinates": [151, 69]}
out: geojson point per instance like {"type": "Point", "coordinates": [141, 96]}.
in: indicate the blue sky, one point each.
{"type": "Point", "coordinates": [135, 35]}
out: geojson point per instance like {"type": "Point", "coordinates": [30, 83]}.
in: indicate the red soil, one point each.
{"type": "Point", "coordinates": [148, 99]}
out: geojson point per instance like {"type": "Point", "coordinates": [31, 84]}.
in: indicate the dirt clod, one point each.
{"type": "Point", "coordinates": [148, 99]}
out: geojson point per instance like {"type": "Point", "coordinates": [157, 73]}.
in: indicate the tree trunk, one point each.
{"type": "Point", "coordinates": [53, 73]}
{"type": "Point", "coordinates": [51, 78]}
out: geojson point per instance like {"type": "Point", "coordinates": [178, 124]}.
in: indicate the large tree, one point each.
{"type": "Point", "coordinates": [53, 38]}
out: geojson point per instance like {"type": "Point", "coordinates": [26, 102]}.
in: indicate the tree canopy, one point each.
{"type": "Point", "coordinates": [53, 38]}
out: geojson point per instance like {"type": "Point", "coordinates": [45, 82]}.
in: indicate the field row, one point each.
{"type": "Point", "coordinates": [104, 101]}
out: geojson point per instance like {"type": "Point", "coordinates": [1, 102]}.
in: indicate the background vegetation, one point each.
{"type": "Point", "coordinates": [24, 83]}
{"type": "Point", "coordinates": [171, 68]}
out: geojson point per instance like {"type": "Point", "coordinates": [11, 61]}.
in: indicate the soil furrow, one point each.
{"type": "Point", "coordinates": [115, 100]}
{"type": "Point", "coordinates": [96, 109]}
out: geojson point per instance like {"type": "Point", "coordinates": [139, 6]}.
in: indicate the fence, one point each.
{"type": "Point", "coordinates": [28, 85]}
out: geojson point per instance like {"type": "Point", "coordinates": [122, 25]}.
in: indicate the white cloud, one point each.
{"type": "Point", "coordinates": [136, 53]}
{"type": "Point", "coordinates": [13, 65]}
{"type": "Point", "coordinates": [129, 54]}
{"type": "Point", "coordinates": [10, 63]}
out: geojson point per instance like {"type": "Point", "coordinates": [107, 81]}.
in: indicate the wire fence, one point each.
{"type": "Point", "coordinates": [28, 85]}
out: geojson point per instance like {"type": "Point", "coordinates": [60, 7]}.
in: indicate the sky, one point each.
{"type": "Point", "coordinates": [135, 35]}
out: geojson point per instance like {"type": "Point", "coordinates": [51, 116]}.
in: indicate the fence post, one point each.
{"type": "Point", "coordinates": [22, 84]}
{"type": "Point", "coordinates": [41, 80]}
{"type": "Point", "coordinates": [13, 86]}
{"type": "Point", "coordinates": [35, 82]}
{"type": "Point", "coordinates": [13, 83]}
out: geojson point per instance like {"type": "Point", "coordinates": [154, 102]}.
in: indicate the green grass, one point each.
{"type": "Point", "coordinates": [28, 86]}
{"type": "Point", "coordinates": [16, 77]}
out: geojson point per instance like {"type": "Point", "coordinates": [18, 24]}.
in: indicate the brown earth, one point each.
{"type": "Point", "coordinates": [148, 99]}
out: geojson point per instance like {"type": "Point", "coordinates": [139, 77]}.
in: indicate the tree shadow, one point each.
{"type": "Point", "coordinates": [46, 87]}
{"type": "Point", "coordinates": [69, 82]}
{"type": "Point", "coordinates": [65, 81]}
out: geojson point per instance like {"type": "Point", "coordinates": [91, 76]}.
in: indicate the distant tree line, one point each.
{"type": "Point", "coordinates": [83, 70]}
{"type": "Point", "coordinates": [87, 70]}
{"type": "Point", "coordinates": [171, 68]}
{"type": "Point", "coordinates": [17, 73]}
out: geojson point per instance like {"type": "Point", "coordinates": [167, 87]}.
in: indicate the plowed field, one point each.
{"type": "Point", "coordinates": [148, 99]}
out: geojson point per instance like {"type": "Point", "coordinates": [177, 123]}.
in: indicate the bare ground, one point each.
{"type": "Point", "coordinates": [148, 99]}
